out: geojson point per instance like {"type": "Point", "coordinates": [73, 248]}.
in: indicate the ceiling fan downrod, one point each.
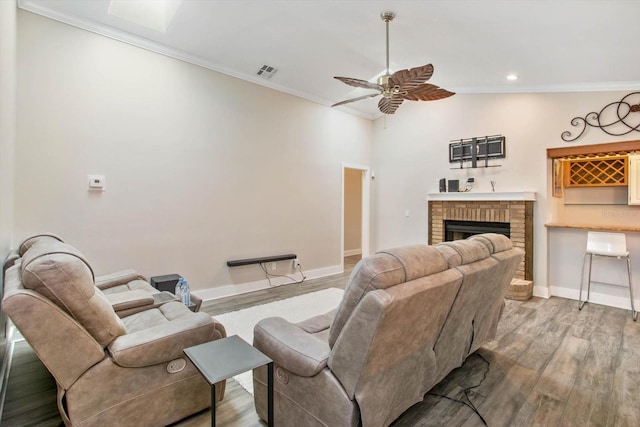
{"type": "Point", "coordinates": [386, 17]}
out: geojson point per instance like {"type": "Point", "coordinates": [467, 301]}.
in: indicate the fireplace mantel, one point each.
{"type": "Point", "coordinates": [480, 197]}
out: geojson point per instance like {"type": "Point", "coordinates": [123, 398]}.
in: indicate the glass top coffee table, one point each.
{"type": "Point", "coordinates": [222, 359]}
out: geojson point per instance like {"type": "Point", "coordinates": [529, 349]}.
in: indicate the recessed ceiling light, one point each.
{"type": "Point", "coordinates": [512, 77]}
{"type": "Point", "coordinates": [154, 14]}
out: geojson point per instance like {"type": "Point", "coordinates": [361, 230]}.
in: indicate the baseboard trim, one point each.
{"type": "Point", "coordinates": [352, 252]}
{"type": "Point", "coordinates": [541, 291]}
{"type": "Point", "coordinates": [595, 298]}
{"type": "Point", "coordinates": [243, 288]}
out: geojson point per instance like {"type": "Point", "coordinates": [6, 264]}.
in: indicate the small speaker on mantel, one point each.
{"type": "Point", "coordinates": [442, 185]}
{"type": "Point", "coordinates": [453, 185]}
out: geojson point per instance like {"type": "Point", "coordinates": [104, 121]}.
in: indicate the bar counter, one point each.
{"type": "Point", "coordinates": [592, 226]}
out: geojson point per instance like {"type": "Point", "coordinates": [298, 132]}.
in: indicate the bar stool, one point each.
{"type": "Point", "coordinates": [608, 245]}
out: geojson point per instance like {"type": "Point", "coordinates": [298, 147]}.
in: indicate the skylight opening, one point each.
{"type": "Point", "coordinates": [154, 14]}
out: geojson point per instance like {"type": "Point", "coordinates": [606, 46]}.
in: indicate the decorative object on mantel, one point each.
{"type": "Point", "coordinates": [617, 113]}
{"type": "Point", "coordinates": [493, 186]}
{"type": "Point", "coordinates": [483, 148]}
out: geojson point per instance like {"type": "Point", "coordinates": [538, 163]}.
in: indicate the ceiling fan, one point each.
{"type": "Point", "coordinates": [395, 88]}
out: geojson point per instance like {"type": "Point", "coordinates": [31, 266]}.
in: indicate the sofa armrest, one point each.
{"type": "Point", "coordinates": [319, 323]}
{"type": "Point", "coordinates": [290, 346]}
{"type": "Point", "coordinates": [118, 278]}
{"type": "Point", "coordinates": [130, 299]}
{"type": "Point", "coordinates": [162, 343]}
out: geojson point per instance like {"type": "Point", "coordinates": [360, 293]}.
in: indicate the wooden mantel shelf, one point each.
{"type": "Point", "coordinates": [471, 196]}
{"type": "Point", "coordinates": [592, 227]}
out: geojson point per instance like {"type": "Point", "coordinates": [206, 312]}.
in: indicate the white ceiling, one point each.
{"type": "Point", "coordinates": [552, 45]}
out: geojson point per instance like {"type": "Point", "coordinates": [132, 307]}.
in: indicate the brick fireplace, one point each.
{"type": "Point", "coordinates": [515, 209]}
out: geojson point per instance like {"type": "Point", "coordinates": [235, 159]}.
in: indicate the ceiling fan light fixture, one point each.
{"type": "Point", "coordinates": [409, 84]}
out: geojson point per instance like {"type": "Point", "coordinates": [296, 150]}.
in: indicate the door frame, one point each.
{"type": "Point", "coordinates": [365, 220]}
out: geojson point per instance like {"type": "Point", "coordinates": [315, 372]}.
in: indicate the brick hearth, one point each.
{"type": "Point", "coordinates": [518, 213]}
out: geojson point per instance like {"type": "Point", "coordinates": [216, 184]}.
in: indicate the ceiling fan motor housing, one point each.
{"type": "Point", "coordinates": [384, 80]}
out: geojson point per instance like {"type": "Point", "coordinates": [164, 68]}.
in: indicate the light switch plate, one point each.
{"type": "Point", "coordinates": [97, 182]}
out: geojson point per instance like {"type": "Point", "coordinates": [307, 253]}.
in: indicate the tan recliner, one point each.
{"type": "Point", "coordinates": [109, 370]}
{"type": "Point", "coordinates": [127, 291]}
{"type": "Point", "coordinates": [407, 318]}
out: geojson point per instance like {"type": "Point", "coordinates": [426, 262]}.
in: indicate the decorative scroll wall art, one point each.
{"type": "Point", "coordinates": [616, 119]}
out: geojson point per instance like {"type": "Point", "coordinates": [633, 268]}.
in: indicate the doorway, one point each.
{"type": "Point", "coordinates": [355, 212]}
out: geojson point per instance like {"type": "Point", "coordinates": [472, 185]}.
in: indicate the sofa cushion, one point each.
{"type": "Point", "coordinates": [381, 271]}
{"type": "Point", "coordinates": [62, 274]}
{"type": "Point", "coordinates": [134, 285]}
{"type": "Point", "coordinates": [160, 334]}
{"type": "Point", "coordinates": [417, 261]}
{"type": "Point", "coordinates": [30, 241]}
{"type": "Point", "coordinates": [462, 252]}
{"type": "Point", "coordinates": [493, 241]}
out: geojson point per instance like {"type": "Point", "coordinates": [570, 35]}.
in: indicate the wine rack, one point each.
{"type": "Point", "coordinates": [596, 172]}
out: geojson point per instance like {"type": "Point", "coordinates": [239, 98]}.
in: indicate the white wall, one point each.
{"type": "Point", "coordinates": [7, 148]}
{"type": "Point", "coordinates": [7, 121]}
{"type": "Point", "coordinates": [411, 154]}
{"type": "Point", "coordinates": [200, 167]}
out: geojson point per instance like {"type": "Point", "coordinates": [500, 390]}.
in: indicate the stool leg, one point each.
{"type": "Point", "coordinates": [584, 259]}
{"type": "Point", "coordinates": [634, 313]}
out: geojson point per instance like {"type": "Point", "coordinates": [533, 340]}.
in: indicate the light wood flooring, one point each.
{"type": "Point", "coordinates": [550, 365]}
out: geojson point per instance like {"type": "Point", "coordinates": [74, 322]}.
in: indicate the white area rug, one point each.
{"type": "Point", "coordinates": [294, 310]}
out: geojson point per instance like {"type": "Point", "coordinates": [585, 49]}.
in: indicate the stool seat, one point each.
{"type": "Point", "coordinates": [608, 245]}
{"type": "Point", "coordinates": [610, 253]}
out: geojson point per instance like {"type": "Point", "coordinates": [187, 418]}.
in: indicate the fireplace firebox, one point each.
{"type": "Point", "coordinates": [457, 230]}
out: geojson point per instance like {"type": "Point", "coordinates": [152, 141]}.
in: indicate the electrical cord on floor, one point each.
{"type": "Point", "coordinates": [293, 280]}
{"type": "Point", "coordinates": [466, 390]}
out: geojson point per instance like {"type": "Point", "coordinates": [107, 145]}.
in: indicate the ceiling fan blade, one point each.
{"type": "Point", "coordinates": [426, 92]}
{"type": "Point", "coordinates": [409, 79]}
{"type": "Point", "coordinates": [360, 83]}
{"type": "Point", "coordinates": [360, 98]}
{"type": "Point", "coordinates": [390, 105]}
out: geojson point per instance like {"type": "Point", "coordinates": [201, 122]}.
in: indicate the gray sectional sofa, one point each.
{"type": "Point", "coordinates": [408, 317]}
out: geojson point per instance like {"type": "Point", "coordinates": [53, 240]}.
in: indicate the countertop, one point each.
{"type": "Point", "coordinates": [592, 226]}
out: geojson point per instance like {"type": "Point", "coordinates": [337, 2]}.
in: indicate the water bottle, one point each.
{"type": "Point", "coordinates": [180, 289]}
{"type": "Point", "coordinates": [186, 296]}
